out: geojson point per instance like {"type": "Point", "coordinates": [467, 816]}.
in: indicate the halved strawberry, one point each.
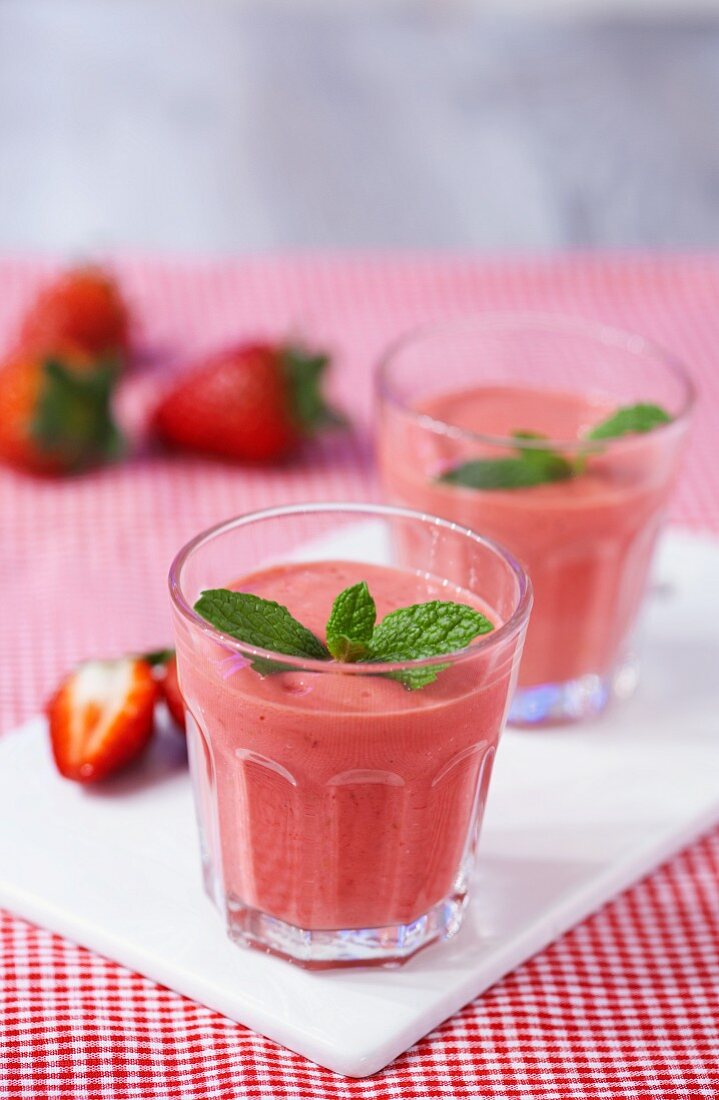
{"type": "Point", "coordinates": [101, 717]}
{"type": "Point", "coordinates": [164, 664]}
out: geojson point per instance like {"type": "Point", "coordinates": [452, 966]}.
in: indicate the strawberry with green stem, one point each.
{"type": "Point", "coordinates": [250, 402]}
{"type": "Point", "coordinates": [57, 411]}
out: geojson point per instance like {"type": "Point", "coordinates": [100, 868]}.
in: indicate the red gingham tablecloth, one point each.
{"type": "Point", "coordinates": [626, 1005]}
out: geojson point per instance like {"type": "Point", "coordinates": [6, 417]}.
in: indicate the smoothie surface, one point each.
{"type": "Point", "coordinates": [502, 410]}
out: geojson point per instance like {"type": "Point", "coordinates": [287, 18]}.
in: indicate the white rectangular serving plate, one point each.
{"type": "Point", "coordinates": [575, 815]}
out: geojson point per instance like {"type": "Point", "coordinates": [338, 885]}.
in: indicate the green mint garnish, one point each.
{"type": "Point", "coordinates": [538, 465]}
{"type": "Point", "coordinates": [530, 466]}
{"type": "Point", "coordinates": [261, 623]}
{"type": "Point", "coordinates": [350, 625]}
{"type": "Point", "coordinates": [425, 630]}
{"type": "Point", "coordinates": [634, 419]}
{"type": "Point", "coordinates": [411, 633]}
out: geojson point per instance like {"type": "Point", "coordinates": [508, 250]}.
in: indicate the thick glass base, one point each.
{"type": "Point", "coordinates": [574, 700]}
{"type": "Point", "coordinates": [389, 946]}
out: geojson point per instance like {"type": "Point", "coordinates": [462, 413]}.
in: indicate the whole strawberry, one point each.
{"type": "Point", "coordinates": [55, 411]}
{"type": "Point", "coordinates": [82, 307]}
{"type": "Point", "coordinates": [253, 402]}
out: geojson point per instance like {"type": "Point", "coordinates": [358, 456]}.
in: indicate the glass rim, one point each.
{"type": "Point", "coordinates": [512, 626]}
{"type": "Point", "coordinates": [490, 321]}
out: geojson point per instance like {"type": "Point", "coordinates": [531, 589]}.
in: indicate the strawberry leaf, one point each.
{"type": "Point", "coordinates": [157, 657]}
{"type": "Point", "coordinates": [73, 418]}
{"type": "Point", "coordinates": [304, 372]}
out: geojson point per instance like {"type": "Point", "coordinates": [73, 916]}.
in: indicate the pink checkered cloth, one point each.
{"type": "Point", "coordinates": [626, 1005]}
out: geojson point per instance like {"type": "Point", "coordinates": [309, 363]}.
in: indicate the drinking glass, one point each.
{"type": "Point", "coordinates": [456, 392]}
{"type": "Point", "coordinates": [338, 810]}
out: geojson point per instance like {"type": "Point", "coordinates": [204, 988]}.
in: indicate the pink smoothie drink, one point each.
{"type": "Point", "coordinates": [581, 513]}
{"type": "Point", "coordinates": [344, 801]}
{"type": "Point", "coordinates": [587, 542]}
{"type": "Point", "coordinates": [338, 809]}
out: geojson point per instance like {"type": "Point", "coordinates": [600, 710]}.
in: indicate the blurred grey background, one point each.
{"type": "Point", "coordinates": [223, 125]}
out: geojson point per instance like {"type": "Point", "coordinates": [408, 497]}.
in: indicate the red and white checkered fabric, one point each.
{"type": "Point", "coordinates": [627, 1005]}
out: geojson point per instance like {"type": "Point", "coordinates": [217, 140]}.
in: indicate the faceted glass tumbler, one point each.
{"type": "Point", "coordinates": [587, 542]}
{"type": "Point", "coordinates": [339, 811]}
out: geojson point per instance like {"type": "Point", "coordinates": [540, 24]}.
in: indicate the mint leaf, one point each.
{"type": "Point", "coordinates": [261, 623]}
{"type": "Point", "coordinates": [410, 633]}
{"type": "Point", "coordinates": [634, 419]}
{"type": "Point", "coordinates": [531, 466]}
{"type": "Point", "coordinates": [351, 622]}
{"type": "Point", "coordinates": [425, 630]}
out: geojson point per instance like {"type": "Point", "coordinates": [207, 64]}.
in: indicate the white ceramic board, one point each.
{"type": "Point", "coordinates": [574, 816]}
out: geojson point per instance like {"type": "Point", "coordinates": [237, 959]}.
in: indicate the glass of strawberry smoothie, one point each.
{"type": "Point", "coordinates": [338, 808]}
{"type": "Point", "coordinates": [579, 508]}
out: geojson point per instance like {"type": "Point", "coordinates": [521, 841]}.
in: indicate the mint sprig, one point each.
{"type": "Point", "coordinates": [412, 633]}
{"type": "Point", "coordinates": [522, 472]}
{"type": "Point", "coordinates": [632, 420]}
{"type": "Point", "coordinates": [530, 466]}
{"type": "Point", "coordinates": [540, 465]}
{"type": "Point", "coordinates": [351, 623]}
